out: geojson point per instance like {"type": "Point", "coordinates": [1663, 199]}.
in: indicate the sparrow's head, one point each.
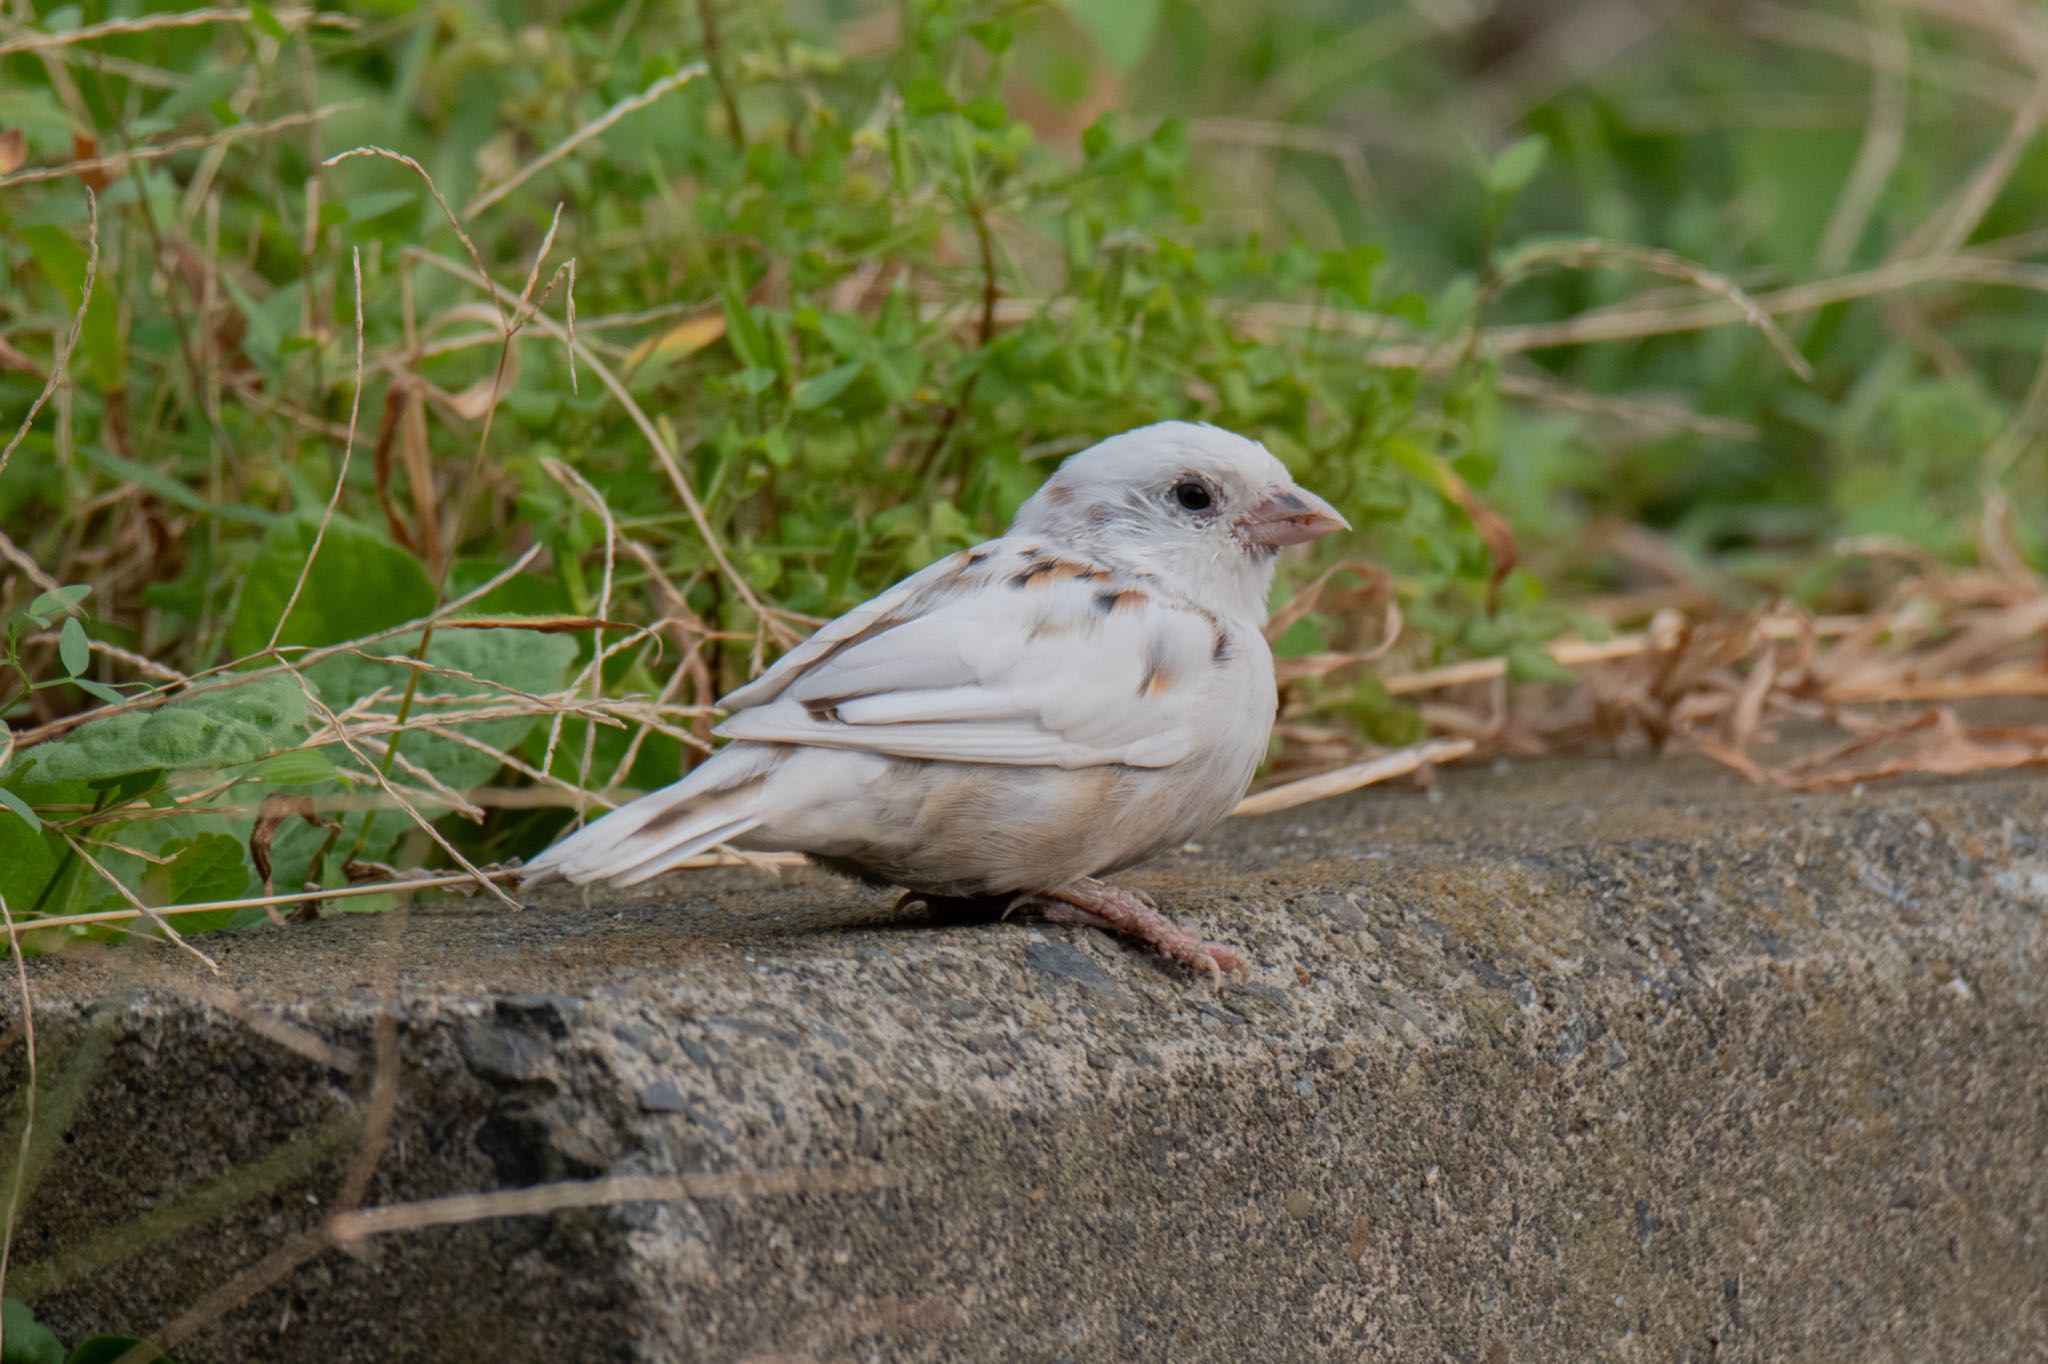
{"type": "Point", "coordinates": [1198, 506]}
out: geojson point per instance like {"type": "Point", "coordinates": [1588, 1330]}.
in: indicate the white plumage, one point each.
{"type": "Point", "coordinates": [1019, 718]}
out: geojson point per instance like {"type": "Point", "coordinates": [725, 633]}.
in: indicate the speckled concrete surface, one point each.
{"type": "Point", "coordinates": [1579, 1061]}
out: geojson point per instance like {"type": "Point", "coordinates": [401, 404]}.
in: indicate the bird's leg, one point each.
{"type": "Point", "coordinates": [1116, 910]}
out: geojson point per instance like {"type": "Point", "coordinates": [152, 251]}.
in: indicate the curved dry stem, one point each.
{"type": "Point", "coordinates": [191, 18]}
{"type": "Point", "coordinates": [348, 449]}
{"type": "Point", "coordinates": [1594, 253]}
{"type": "Point", "coordinates": [62, 359]}
{"type": "Point", "coordinates": [402, 159]}
{"type": "Point", "coordinates": [653, 92]}
{"type": "Point", "coordinates": [663, 454]}
{"type": "Point", "coordinates": [118, 162]}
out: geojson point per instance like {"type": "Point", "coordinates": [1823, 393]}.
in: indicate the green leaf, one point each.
{"type": "Point", "coordinates": [200, 89]}
{"type": "Point", "coordinates": [743, 332]}
{"type": "Point", "coordinates": [98, 690]}
{"type": "Point", "coordinates": [820, 389]}
{"type": "Point", "coordinates": [1122, 29]}
{"type": "Point", "coordinates": [513, 658]}
{"type": "Point", "coordinates": [360, 584]}
{"type": "Point", "coordinates": [10, 801]}
{"type": "Point", "coordinates": [51, 605]}
{"type": "Point", "coordinates": [365, 207]}
{"type": "Point", "coordinates": [209, 867]}
{"type": "Point", "coordinates": [214, 727]}
{"type": "Point", "coordinates": [113, 1349]}
{"type": "Point", "coordinates": [300, 767]}
{"type": "Point", "coordinates": [263, 335]}
{"type": "Point", "coordinates": [260, 15]}
{"type": "Point", "coordinates": [155, 480]}
{"type": "Point", "coordinates": [1514, 168]}
{"type": "Point", "coordinates": [62, 261]}
{"type": "Point", "coordinates": [129, 785]}
{"type": "Point", "coordinates": [1530, 662]}
{"type": "Point", "coordinates": [73, 649]}
{"type": "Point", "coordinates": [28, 1340]}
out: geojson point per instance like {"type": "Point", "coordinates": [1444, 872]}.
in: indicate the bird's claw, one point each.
{"type": "Point", "coordinates": [1111, 908]}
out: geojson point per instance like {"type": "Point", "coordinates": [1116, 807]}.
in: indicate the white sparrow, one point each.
{"type": "Point", "coordinates": [1020, 718]}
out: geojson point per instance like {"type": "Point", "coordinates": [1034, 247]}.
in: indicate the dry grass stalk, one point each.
{"type": "Point", "coordinates": [192, 18]}
{"type": "Point", "coordinates": [769, 621]}
{"type": "Point", "coordinates": [290, 657]}
{"type": "Point", "coordinates": [409, 885]}
{"type": "Point", "coordinates": [117, 163]}
{"type": "Point", "coordinates": [28, 567]}
{"type": "Point", "coordinates": [62, 361]}
{"type": "Point", "coordinates": [595, 1193]}
{"type": "Point", "coordinates": [1591, 254]}
{"type": "Point", "coordinates": [674, 81]}
{"type": "Point", "coordinates": [348, 449]}
{"type": "Point", "coordinates": [1884, 138]}
{"type": "Point", "coordinates": [412, 812]}
{"type": "Point", "coordinates": [1738, 690]}
{"type": "Point", "coordinates": [1344, 780]}
{"type": "Point", "coordinates": [282, 1031]}
{"type": "Point", "coordinates": [163, 925]}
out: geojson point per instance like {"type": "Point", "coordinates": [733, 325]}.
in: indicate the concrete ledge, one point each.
{"type": "Point", "coordinates": [1580, 1061]}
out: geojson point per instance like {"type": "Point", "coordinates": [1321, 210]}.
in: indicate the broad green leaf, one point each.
{"type": "Point", "coordinates": [29, 856]}
{"type": "Point", "coordinates": [209, 867]}
{"type": "Point", "coordinates": [514, 658]}
{"type": "Point", "coordinates": [129, 785]}
{"type": "Point", "coordinates": [360, 584]}
{"type": "Point", "coordinates": [74, 651]}
{"type": "Point", "coordinates": [215, 727]}
{"type": "Point", "coordinates": [28, 1340]}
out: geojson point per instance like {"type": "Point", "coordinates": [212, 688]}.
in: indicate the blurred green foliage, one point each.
{"type": "Point", "coordinates": [866, 283]}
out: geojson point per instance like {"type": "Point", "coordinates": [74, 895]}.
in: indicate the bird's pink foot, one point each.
{"type": "Point", "coordinates": [1116, 910]}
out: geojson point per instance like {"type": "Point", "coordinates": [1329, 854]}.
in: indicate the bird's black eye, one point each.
{"type": "Point", "coordinates": [1191, 495]}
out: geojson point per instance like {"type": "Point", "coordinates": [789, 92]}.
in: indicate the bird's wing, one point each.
{"type": "Point", "coordinates": [902, 602]}
{"type": "Point", "coordinates": [1025, 659]}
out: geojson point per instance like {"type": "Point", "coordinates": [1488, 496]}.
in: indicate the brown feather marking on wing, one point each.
{"type": "Point", "coordinates": [676, 814]}
{"type": "Point", "coordinates": [1158, 678]}
{"type": "Point", "coordinates": [1220, 651]}
{"type": "Point", "coordinates": [1053, 570]}
{"type": "Point", "coordinates": [1109, 603]}
{"type": "Point", "coordinates": [825, 709]}
{"type": "Point", "coordinates": [888, 622]}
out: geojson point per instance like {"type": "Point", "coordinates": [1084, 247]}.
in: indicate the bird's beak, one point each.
{"type": "Point", "coordinates": [1289, 516]}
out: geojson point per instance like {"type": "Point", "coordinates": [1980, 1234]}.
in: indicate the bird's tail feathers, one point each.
{"type": "Point", "coordinates": [717, 803]}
